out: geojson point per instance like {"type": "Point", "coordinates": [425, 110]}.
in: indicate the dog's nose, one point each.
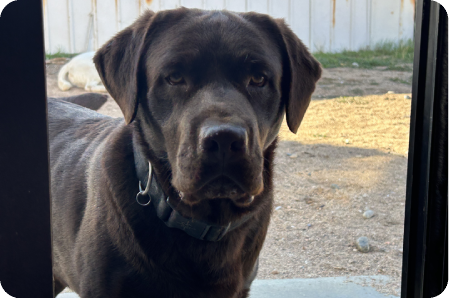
{"type": "Point", "coordinates": [225, 141]}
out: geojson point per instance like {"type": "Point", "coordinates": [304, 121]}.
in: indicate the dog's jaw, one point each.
{"type": "Point", "coordinates": [192, 205]}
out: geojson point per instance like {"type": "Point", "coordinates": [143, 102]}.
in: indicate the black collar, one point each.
{"type": "Point", "coordinates": [154, 194]}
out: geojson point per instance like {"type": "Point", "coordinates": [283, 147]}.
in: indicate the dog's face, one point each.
{"type": "Point", "coordinates": [209, 90]}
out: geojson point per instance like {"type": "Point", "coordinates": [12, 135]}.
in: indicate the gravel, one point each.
{"type": "Point", "coordinates": [368, 214]}
{"type": "Point", "coordinates": [362, 244]}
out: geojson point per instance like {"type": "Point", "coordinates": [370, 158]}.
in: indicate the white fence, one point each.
{"type": "Point", "coordinates": [75, 26]}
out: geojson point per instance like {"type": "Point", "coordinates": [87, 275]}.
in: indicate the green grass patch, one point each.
{"type": "Point", "coordinates": [400, 67]}
{"type": "Point", "coordinates": [320, 136]}
{"type": "Point", "coordinates": [59, 54]}
{"type": "Point", "coordinates": [351, 100]}
{"type": "Point", "coordinates": [393, 56]}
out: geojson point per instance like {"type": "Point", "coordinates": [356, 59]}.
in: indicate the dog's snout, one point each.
{"type": "Point", "coordinates": [223, 141]}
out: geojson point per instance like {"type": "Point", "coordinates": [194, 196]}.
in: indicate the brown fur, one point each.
{"type": "Point", "coordinates": [107, 245]}
{"type": "Point", "coordinates": [92, 101]}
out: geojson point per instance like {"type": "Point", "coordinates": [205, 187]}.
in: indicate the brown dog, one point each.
{"type": "Point", "coordinates": [203, 94]}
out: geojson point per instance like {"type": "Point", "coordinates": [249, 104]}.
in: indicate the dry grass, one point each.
{"type": "Point", "coordinates": [373, 122]}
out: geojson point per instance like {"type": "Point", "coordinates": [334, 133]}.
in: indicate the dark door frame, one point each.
{"type": "Point", "coordinates": [25, 209]}
{"type": "Point", "coordinates": [424, 270]}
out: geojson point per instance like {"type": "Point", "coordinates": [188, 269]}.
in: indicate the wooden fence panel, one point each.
{"type": "Point", "coordinates": [76, 26]}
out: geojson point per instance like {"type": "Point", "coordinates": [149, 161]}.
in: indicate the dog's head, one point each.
{"type": "Point", "coordinates": [209, 90]}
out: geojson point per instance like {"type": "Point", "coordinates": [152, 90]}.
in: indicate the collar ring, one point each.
{"type": "Point", "coordinates": [145, 192]}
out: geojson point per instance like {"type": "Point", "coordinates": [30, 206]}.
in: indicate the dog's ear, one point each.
{"type": "Point", "coordinates": [117, 63]}
{"type": "Point", "coordinates": [299, 76]}
{"type": "Point", "coordinates": [301, 70]}
{"type": "Point", "coordinates": [120, 64]}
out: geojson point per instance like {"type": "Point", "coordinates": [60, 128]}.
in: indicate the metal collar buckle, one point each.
{"type": "Point", "coordinates": [145, 192]}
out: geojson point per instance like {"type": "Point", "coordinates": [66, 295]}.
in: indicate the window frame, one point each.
{"type": "Point", "coordinates": [25, 207]}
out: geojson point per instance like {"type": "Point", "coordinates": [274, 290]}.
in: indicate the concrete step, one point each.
{"type": "Point", "coordinates": [324, 287]}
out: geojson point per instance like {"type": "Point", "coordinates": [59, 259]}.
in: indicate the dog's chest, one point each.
{"type": "Point", "coordinates": [159, 284]}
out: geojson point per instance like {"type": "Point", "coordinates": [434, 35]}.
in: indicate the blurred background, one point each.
{"type": "Point", "coordinates": [75, 26]}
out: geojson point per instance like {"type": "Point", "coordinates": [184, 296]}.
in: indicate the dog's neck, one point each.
{"type": "Point", "coordinates": [141, 163]}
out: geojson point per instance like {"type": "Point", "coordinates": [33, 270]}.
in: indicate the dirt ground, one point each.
{"type": "Point", "coordinates": [337, 82]}
{"type": "Point", "coordinates": [350, 155]}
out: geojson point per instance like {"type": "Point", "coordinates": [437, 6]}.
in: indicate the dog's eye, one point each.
{"type": "Point", "coordinates": [257, 80]}
{"type": "Point", "coordinates": [175, 78]}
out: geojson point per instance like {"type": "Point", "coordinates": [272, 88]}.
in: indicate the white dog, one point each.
{"type": "Point", "coordinates": [80, 72]}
